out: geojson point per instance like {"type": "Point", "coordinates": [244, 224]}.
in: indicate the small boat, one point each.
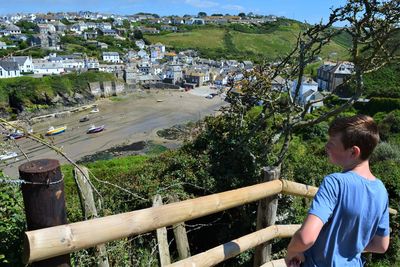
{"type": "Point", "coordinates": [84, 119]}
{"type": "Point", "coordinates": [55, 131]}
{"type": "Point", "coordinates": [16, 135]}
{"type": "Point", "coordinates": [8, 155]}
{"type": "Point", "coordinates": [95, 129]}
{"type": "Point", "coordinates": [159, 100]}
{"type": "Point", "coordinates": [95, 110]}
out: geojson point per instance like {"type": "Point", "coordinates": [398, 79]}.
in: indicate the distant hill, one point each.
{"type": "Point", "coordinates": [239, 41]}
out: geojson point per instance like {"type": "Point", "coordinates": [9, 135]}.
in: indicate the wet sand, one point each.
{"type": "Point", "coordinates": [127, 119]}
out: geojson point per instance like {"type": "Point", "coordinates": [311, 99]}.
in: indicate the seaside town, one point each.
{"type": "Point", "coordinates": [143, 64]}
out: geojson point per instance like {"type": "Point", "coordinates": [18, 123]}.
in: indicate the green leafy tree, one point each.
{"type": "Point", "coordinates": [202, 14]}
{"type": "Point", "coordinates": [257, 129]}
{"type": "Point", "coordinates": [137, 34]}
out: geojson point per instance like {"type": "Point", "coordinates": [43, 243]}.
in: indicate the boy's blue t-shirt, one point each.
{"type": "Point", "coordinates": [353, 210]}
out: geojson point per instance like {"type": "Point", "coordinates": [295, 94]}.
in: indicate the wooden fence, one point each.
{"type": "Point", "coordinates": [63, 239]}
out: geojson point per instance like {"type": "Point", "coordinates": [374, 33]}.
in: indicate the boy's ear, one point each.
{"type": "Point", "coordinates": [355, 151]}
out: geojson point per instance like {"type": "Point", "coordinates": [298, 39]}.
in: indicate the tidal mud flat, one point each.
{"type": "Point", "coordinates": [128, 120]}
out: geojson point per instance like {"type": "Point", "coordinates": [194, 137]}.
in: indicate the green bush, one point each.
{"type": "Point", "coordinates": [12, 225]}
{"type": "Point", "coordinates": [378, 104]}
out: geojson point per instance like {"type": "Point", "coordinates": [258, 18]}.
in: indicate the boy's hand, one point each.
{"type": "Point", "coordinates": [294, 260]}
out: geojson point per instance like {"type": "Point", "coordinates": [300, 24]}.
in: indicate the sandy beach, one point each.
{"type": "Point", "coordinates": [127, 119]}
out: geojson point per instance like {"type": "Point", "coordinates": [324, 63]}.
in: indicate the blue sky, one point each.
{"type": "Point", "coordinates": [307, 10]}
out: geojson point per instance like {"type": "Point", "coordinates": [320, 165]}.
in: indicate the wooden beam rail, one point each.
{"type": "Point", "coordinates": [235, 247]}
{"type": "Point", "coordinates": [54, 241]}
{"type": "Point", "coordinates": [50, 242]}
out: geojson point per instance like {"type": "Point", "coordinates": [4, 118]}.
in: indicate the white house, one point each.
{"type": "Point", "coordinates": [78, 27]}
{"type": "Point", "coordinates": [173, 73]}
{"type": "Point", "coordinates": [144, 67]}
{"type": "Point", "coordinates": [221, 80]}
{"type": "Point", "coordinates": [24, 63]}
{"type": "Point", "coordinates": [143, 54]}
{"type": "Point", "coordinates": [111, 57]}
{"type": "Point", "coordinates": [111, 68]}
{"type": "Point", "coordinates": [73, 64]}
{"type": "Point", "coordinates": [13, 29]}
{"type": "Point", "coordinates": [9, 69]}
{"type": "Point", "coordinates": [92, 63]}
{"type": "Point", "coordinates": [195, 21]}
{"type": "Point", "coordinates": [105, 26]}
{"type": "Point", "coordinates": [3, 45]}
{"type": "Point", "coordinates": [45, 67]}
{"type": "Point", "coordinates": [140, 43]}
{"type": "Point", "coordinates": [311, 96]}
{"type": "Point", "coordinates": [306, 85]}
{"type": "Point", "coordinates": [308, 91]}
{"type": "Point", "coordinates": [159, 46]}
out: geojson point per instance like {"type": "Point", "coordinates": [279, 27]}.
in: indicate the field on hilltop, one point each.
{"type": "Point", "coordinates": [235, 41]}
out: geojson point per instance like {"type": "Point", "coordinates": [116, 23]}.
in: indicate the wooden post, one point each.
{"type": "Point", "coordinates": [266, 216]}
{"type": "Point", "coordinates": [89, 210]}
{"type": "Point", "coordinates": [44, 201]}
{"type": "Point", "coordinates": [162, 239]}
{"type": "Point", "coordinates": [182, 243]}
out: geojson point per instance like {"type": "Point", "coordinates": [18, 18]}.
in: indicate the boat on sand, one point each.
{"type": "Point", "coordinates": [55, 131]}
{"type": "Point", "coordinates": [95, 129]}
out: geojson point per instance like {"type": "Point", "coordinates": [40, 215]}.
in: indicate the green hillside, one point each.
{"type": "Point", "coordinates": [268, 41]}
{"type": "Point", "coordinates": [17, 94]}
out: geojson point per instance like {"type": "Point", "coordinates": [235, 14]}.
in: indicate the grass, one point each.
{"type": "Point", "coordinates": [117, 99]}
{"type": "Point", "coordinates": [207, 38]}
{"type": "Point", "coordinates": [269, 45]}
{"type": "Point", "coordinates": [226, 42]}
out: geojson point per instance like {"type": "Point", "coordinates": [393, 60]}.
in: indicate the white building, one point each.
{"type": "Point", "coordinates": [92, 63]}
{"type": "Point", "coordinates": [111, 57]}
{"type": "Point", "coordinates": [308, 91]}
{"type": "Point", "coordinates": [24, 63]}
{"type": "Point", "coordinates": [143, 54]}
{"type": "Point", "coordinates": [9, 69]}
{"type": "Point", "coordinates": [45, 67]}
{"type": "Point", "coordinates": [140, 44]}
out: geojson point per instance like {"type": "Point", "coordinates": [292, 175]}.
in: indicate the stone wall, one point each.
{"type": "Point", "coordinates": [106, 89]}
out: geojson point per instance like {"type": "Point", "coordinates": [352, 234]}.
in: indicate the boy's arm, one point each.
{"type": "Point", "coordinates": [378, 244]}
{"type": "Point", "coordinates": [304, 238]}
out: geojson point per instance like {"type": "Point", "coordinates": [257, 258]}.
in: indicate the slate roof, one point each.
{"type": "Point", "coordinates": [9, 66]}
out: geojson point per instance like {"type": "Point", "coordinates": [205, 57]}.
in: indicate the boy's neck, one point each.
{"type": "Point", "coordinates": [361, 168]}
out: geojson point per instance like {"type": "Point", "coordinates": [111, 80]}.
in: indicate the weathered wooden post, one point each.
{"type": "Point", "coordinates": [162, 239]}
{"type": "Point", "coordinates": [266, 216]}
{"type": "Point", "coordinates": [43, 194]}
{"type": "Point", "coordinates": [180, 234]}
{"type": "Point", "coordinates": [89, 209]}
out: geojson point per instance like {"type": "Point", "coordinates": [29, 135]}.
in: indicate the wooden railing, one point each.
{"type": "Point", "coordinates": [58, 240]}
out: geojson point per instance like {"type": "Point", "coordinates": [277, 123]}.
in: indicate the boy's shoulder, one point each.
{"type": "Point", "coordinates": [351, 177]}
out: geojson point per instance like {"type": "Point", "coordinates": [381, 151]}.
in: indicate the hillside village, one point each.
{"type": "Point", "coordinates": [141, 63]}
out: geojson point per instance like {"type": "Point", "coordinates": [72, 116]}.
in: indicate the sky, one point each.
{"type": "Point", "coordinates": [311, 11]}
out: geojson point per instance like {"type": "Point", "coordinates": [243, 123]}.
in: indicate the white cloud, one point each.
{"type": "Point", "coordinates": [233, 7]}
{"type": "Point", "coordinates": [201, 4]}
